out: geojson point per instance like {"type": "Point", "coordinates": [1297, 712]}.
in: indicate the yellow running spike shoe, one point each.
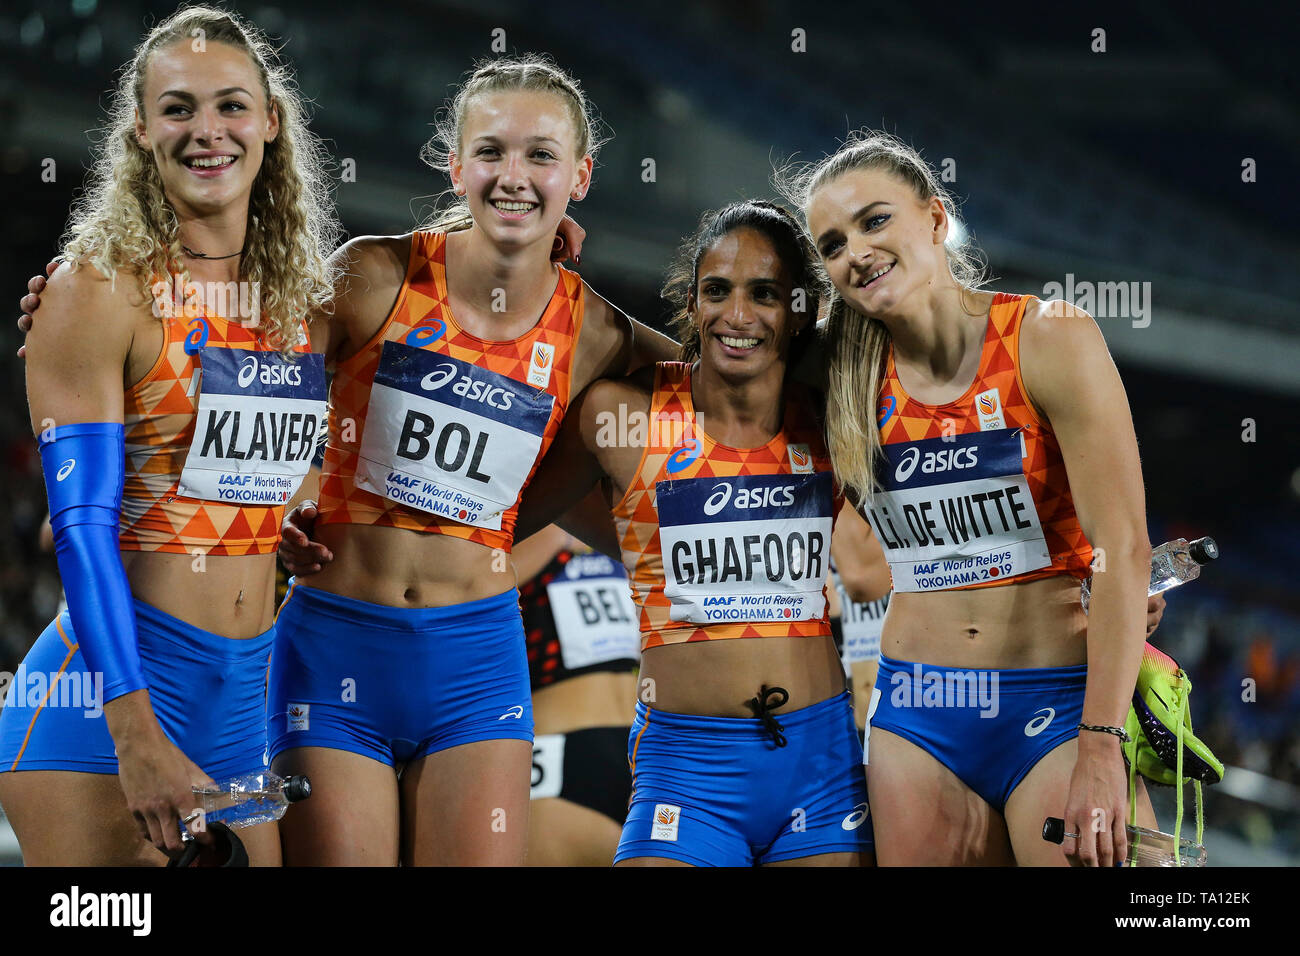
{"type": "Point", "coordinates": [1161, 712]}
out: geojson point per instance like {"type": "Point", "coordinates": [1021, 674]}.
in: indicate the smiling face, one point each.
{"type": "Point", "coordinates": [205, 119]}
{"type": "Point", "coordinates": [742, 305]}
{"type": "Point", "coordinates": [878, 241]}
{"type": "Point", "coordinates": [517, 165]}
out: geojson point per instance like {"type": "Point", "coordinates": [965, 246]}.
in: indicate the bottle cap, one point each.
{"type": "Point", "coordinates": [1054, 830]}
{"type": "Point", "coordinates": [1203, 550]}
{"type": "Point", "coordinates": [296, 788]}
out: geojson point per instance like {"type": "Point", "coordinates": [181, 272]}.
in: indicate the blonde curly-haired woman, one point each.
{"type": "Point", "coordinates": [177, 405]}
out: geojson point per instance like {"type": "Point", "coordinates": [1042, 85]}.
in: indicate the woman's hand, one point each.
{"type": "Point", "coordinates": [1096, 803]}
{"type": "Point", "coordinates": [301, 555]}
{"type": "Point", "coordinates": [156, 777]}
{"type": "Point", "coordinates": [568, 241]}
{"type": "Point", "coordinates": [32, 301]}
{"type": "Point", "coordinates": [1155, 611]}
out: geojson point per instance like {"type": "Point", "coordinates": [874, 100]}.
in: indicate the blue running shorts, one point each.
{"type": "Point", "coordinates": [208, 692]}
{"type": "Point", "coordinates": [396, 684]}
{"type": "Point", "coordinates": [717, 791]}
{"type": "Point", "coordinates": [989, 727]}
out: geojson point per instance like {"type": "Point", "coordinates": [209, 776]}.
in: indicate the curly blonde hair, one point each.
{"type": "Point", "coordinates": [530, 72]}
{"type": "Point", "coordinates": [123, 220]}
{"type": "Point", "coordinates": [856, 344]}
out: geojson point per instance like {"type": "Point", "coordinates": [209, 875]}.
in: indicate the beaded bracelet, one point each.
{"type": "Point", "coordinates": [1117, 731]}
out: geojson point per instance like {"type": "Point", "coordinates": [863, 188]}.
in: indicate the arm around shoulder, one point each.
{"type": "Point", "coordinates": [77, 352]}
{"type": "Point", "coordinates": [371, 271]}
{"type": "Point", "coordinates": [619, 344]}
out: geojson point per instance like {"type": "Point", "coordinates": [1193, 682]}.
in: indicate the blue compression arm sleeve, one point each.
{"type": "Point", "coordinates": [85, 467]}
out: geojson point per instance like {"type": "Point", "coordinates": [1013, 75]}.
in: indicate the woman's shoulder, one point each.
{"type": "Point", "coordinates": [607, 394]}
{"type": "Point", "coordinates": [89, 321]}
{"type": "Point", "coordinates": [78, 288]}
{"type": "Point", "coordinates": [598, 313]}
{"type": "Point", "coordinates": [1048, 319]}
{"type": "Point", "coordinates": [376, 257]}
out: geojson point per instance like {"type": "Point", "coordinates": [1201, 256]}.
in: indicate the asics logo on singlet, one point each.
{"type": "Point", "coordinates": [1039, 724]}
{"type": "Point", "coordinates": [886, 410]}
{"type": "Point", "coordinates": [65, 469]}
{"type": "Point", "coordinates": [933, 462]}
{"type": "Point", "coordinates": [424, 334]}
{"type": "Point", "coordinates": [856, 818]}
{"type": "Point", "coordinates": [682, 456]}
{"type": "Point", "coordinates": [269, 374]}
{"type": "Point", "coordinates": [468, 387]}
{"type": "Point", "coordinates": [779, 497]}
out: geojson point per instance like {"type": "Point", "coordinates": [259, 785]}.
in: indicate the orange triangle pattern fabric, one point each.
{"type": "Point", "coordinates": [159, 414]}
{"type": "Point", "coordinates": [423, 301]}
{"type": "Point", "coordinates": [1044, 467]}
{"type": "Point", "coordinates": [636, 517]}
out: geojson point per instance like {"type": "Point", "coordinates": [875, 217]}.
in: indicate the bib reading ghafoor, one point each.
{"type": "Point", "coordinates": [449, 438]}
{"type": "Point", "coordinates": [746, 548]}
{"type": "Point", "coordinates": [258, 419]}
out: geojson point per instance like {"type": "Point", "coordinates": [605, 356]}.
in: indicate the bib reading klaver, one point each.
{"type": "Point", "coordinates": [258, 420]}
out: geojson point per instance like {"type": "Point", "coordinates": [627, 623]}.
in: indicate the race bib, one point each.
{"type": "Point", "coordinates": [548, 766]}
{"type": "Point", "coordinates": [259, 418]}
{"type": "Point", "coordinates": [957, 511]}
{"type": "Point", "coordinates": [448, 437]}
{"type": "Point", "coordinates": [745, 549]}
{"type": "Point", "coordinates": [861, 624]}
{"type": "Point", "coordinates": [594, 614]}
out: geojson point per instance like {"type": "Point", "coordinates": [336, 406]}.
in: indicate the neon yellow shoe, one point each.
{"type": "Point", "coordinates": [1140, 752]}
{"type": "Point", "coordinates": [1162, 746]}
{"type": "Point", "coordinates": [1161, 711]}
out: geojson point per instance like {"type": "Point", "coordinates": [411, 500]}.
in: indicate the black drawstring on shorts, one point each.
{"type": "Point", "coordinates": [760, 705]}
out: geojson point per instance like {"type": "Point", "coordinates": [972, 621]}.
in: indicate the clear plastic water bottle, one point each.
{"type": "Point", "coordinates": [251, 799]}
{"type": "Point", "coordinates": [1173, 563]}
{"type": "Point", "coordinates": [1145, 847]}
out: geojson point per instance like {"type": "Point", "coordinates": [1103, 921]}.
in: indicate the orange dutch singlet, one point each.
{"type": "Point", "coordinates": [724, 542]}
{"type": "Point", "coordinates": [219, 435]}
{"type": "Point", "coordinates": [975, 492]}
{"type": "Point", "coordinates": [436, 430]}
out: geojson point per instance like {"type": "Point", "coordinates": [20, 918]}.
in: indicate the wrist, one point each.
{"type": "Point", "coordinates": [1099, 741]}
{"type": "Point", "coordinates": [131, 721]}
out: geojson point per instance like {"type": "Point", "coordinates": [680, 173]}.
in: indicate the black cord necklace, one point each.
{"type": "Point", "coordinates": [203, 255]}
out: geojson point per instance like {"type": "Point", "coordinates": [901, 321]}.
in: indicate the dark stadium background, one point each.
{"type": "Point", "coordinates": [1114, 167]}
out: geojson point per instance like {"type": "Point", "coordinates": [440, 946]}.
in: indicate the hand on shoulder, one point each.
{"type": "Point", "coordinates": [80, 305]}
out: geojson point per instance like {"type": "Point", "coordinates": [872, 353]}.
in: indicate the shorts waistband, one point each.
{"type": "Point", "coordinates": [158, 624]}
{"type": "Point", "coordinates": [1009, 678]}
{"type": "Point", "coordinates": [503, 607]}
{"type": "Point", "coordinates": [827, 710]}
